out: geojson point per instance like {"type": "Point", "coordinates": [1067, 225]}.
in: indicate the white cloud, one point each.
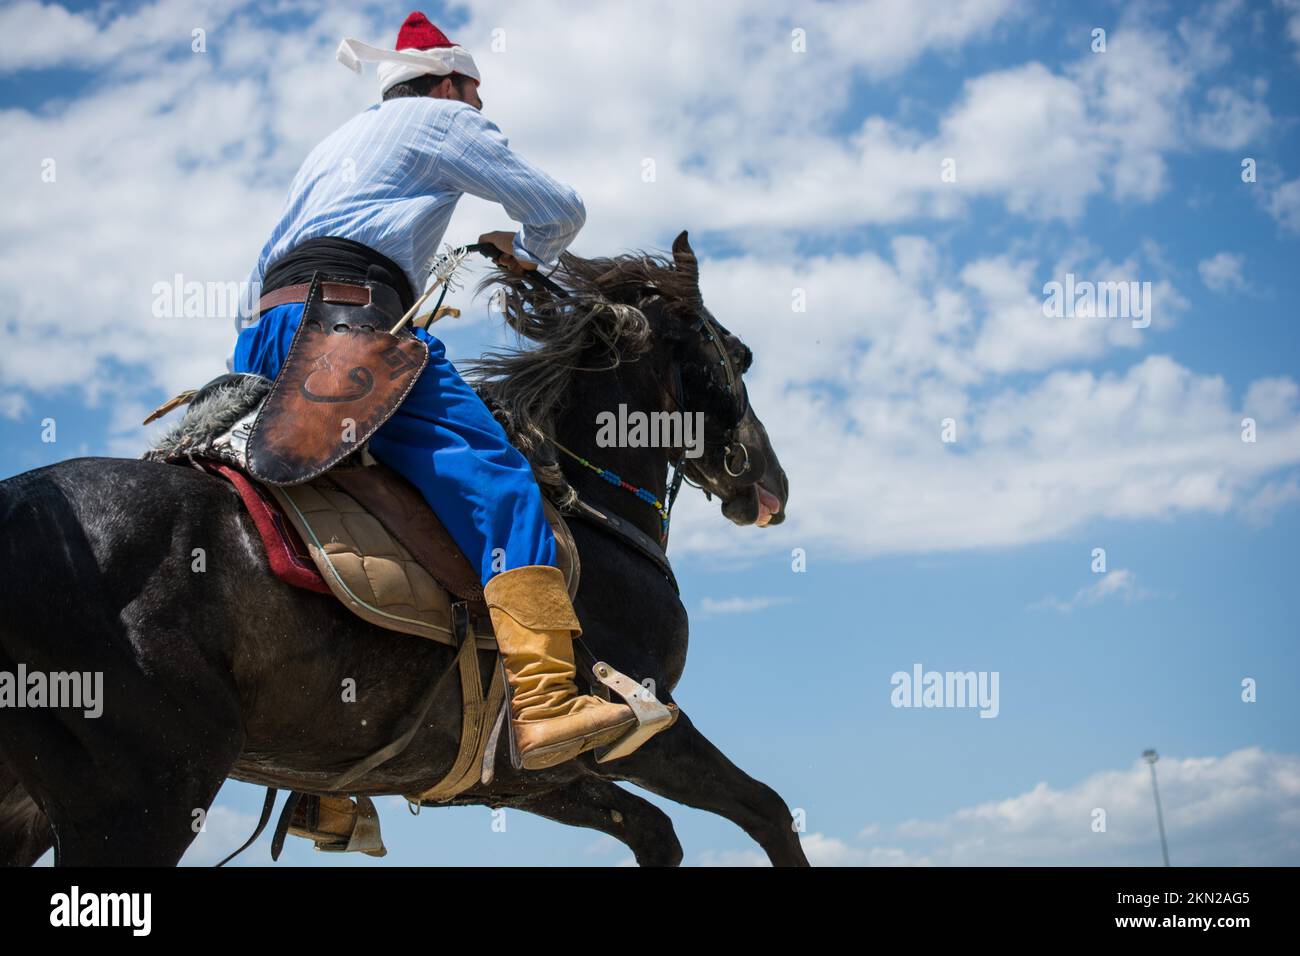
{"type": "Point", "coordinates": [1222, 272]}
{"type": "Point", "coordinates": [12, 405]}
{"type": "Point", "coordinates": [44, 35]}
{"type": "Point", "coordinates": [1291, 12]}
{"type": "Point", "coordinates": [1119, 583]}
{"type": "Point", "coordinates": [823, 850]}
{"type": "Point", "coordinates": [1283, 204]}
{"type": "Point", "coordinates": [1137, 86]}
{"type": "Point", "coordinates": [1025, 134]}
{"type": "Point", "coordinates": [1272, 400]}
{"type": "Point", "coordinates": [1016, 336]}
{"type": "Point", "coordinates": [1263, 505]}
{"type": "Point", "coordinates": [1234, 810]}
{"type": "Point", "coordinates": [1232, 119]}
{"type": "Point", "coordinates": [888, 35]}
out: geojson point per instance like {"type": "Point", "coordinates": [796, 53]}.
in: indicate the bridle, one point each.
{"type": "Point", "coordinates": [707, 327]}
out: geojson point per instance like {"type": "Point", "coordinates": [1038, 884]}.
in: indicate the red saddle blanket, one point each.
{"type": "Point", "coordinates": [284, 548]}
{"type": "Point", "coordinates": [395, 502]}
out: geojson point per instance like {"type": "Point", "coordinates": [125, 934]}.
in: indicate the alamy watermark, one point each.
{"type": "Point", "coordinates": [636, 429]}
{"type": "Point", "coordinates": [72, 689]}
{"type": "Point", "coordinates": [76, 908]}
{"type": "Point", "coordinates": [1089, 300]}
{"type": "Point", "coordinates": [179, 298]}
{"type": "Point", "coordinates": [922, 688]}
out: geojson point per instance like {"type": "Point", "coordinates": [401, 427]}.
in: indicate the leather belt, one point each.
{"type": "Point", "coordinates": [340, 292]}
{"type": "Point", "coordinates": [335, 293]}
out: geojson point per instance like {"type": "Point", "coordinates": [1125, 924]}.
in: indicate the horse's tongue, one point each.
{"type": "Point", "coordinates": [768, 505]}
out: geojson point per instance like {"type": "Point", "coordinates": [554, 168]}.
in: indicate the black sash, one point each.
{"type": "Point", "coordinates": [340, 258]}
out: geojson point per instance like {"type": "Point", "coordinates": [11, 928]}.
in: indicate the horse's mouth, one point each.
{"type": "Point", "coordinates": [769, 507]}
{"type": "Point", "coordinates": [755, 505]}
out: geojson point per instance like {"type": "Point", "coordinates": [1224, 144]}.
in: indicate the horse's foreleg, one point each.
{"type": "Point", "coordinates": [682, 765]}
{"type": "Point", "coordinates": [602, 805]}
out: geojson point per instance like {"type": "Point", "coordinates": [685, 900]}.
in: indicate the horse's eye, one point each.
{"type": "Point", "coordinates": [746, 359]}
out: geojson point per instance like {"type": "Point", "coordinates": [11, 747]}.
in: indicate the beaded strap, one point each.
{"type": "Point", "coordinates": [644, 494]}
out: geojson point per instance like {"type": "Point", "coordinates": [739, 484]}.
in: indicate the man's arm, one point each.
{"type": "Point", "coordinates": [476, 158]}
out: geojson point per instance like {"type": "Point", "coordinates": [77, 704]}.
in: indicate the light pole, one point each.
{"type": "Point", "coordinates": [1151, 757]}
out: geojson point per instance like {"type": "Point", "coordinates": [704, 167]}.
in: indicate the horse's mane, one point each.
{"type": "Point", "coordinates": [526, 385]}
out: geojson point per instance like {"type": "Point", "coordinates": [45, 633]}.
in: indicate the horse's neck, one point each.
{"type": "Point", "coordinates": [591, 395]}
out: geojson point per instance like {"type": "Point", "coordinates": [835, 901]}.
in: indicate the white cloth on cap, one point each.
{"type": "Point", "coordinates": [398, 66]}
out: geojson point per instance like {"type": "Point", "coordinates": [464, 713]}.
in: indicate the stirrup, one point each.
{"type": "Point", "coordinates": [652, 716]}
{"type": "Point", "coordinates": [363, 838]}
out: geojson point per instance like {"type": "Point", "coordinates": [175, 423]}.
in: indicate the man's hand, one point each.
{"type": "Point", "coordinates": [505, 241]}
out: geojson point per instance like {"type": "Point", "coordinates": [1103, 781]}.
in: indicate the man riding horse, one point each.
{"type": "Point", "coordinates": [371, 203]}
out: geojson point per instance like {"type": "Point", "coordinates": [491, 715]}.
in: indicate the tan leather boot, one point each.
{"type": "Point", "coordinates": [535, 627]}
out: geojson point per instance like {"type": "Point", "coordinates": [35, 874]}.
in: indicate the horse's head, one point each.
{"type": "Point", "coordinates": [633, 331]}
{"type": "Point", "coordinates": [706, 369]}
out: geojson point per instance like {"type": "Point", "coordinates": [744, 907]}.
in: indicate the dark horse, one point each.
{"type": "Point", "coordinates": [227, 672]}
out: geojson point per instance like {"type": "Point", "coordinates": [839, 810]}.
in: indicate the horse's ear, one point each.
{"type": "Point", "coordinates": [684, 257]}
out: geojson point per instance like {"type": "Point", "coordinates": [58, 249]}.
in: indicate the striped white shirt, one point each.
{"type": "Point", "coordinates": [391, 176]}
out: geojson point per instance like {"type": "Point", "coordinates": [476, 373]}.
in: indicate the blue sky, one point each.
{"type": "Point", "coordinates": [817, 171]}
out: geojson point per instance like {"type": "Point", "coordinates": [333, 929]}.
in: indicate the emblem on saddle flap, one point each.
{"type": "Point", "coordinates": [344, 376]}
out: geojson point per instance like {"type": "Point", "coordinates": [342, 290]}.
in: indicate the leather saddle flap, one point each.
{"type": "Point", "coordinates": [344, 376]}
{"type": "Point", "coordinates": [364, 566]}
{"type": "Point", "coordinates": [403, 512]}
{"type": "Point", "coordinates": [383, 552]}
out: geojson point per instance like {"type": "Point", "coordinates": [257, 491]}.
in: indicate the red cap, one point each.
{"type": "Point", "coordinates": [418, 33]}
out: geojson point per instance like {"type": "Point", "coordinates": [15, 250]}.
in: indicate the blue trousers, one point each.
{"type": "Point", "coordinates": [444, 441]}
